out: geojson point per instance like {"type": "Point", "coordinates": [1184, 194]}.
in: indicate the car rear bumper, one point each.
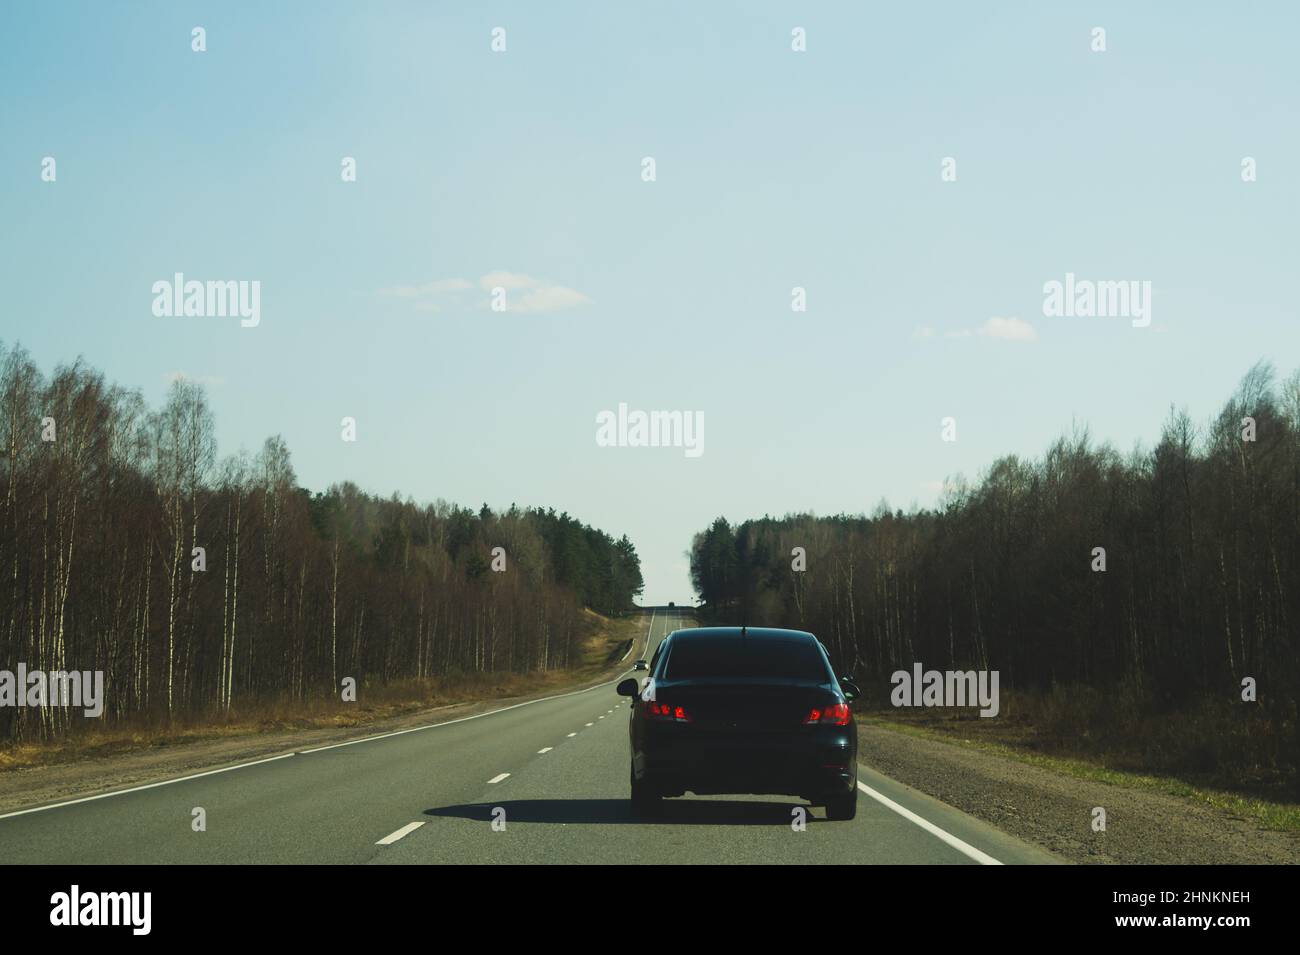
{"type": "Point", "coordinates": [820, 762]}
{"type": "Point", "coordinates": [806, 784]}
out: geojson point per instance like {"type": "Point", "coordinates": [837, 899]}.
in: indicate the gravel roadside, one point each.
{"type": "Point", "coordinates": [1055, 811]}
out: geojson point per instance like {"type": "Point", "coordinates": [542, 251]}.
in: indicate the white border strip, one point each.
{"type": "Point", "coordinates": [964, 848]}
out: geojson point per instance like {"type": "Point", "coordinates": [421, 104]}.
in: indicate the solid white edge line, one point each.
{"type": "Point", "coordinates": [497, 778]}
{"type": "Point", "coordinates": [648, 631]}
{"type": "Point", "coordinates": [392, 837]}
{"type": "Point", "coordinates": [136, 789]}
{"type": "Point", "coordinates": [964, 848]}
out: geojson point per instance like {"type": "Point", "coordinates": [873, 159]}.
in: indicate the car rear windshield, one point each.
{"type": "Point", "coordinates": [697, 658]}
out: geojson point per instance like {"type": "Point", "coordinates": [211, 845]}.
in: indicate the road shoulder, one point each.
{"type": "Point", "coordinates": [1055, 812]}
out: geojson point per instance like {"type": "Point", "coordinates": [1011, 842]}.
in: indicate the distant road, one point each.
{"type": "Point", "coordinates": [557, 767]}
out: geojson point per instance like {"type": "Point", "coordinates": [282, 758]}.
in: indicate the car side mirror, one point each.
{"type": "Point", "coordinates": [627, 688]}
{"type": "Point", "coordinates": [851, 691]}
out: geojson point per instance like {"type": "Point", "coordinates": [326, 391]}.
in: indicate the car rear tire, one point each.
{"type": "Point", "coordinates": [842, 808]}
{"type": "Point", "coordinates": [645, 801]}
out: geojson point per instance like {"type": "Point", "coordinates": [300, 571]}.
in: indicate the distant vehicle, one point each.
{"type": "Point", "coordinates": [671, 604]}
{"type": "Point", "coordinates": [743, 710]}
{"type": "Point", "coordinates": [640, 665]}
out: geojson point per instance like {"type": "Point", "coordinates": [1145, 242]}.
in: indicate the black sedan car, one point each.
{"type": "Point", "coordinates": [743, 710]}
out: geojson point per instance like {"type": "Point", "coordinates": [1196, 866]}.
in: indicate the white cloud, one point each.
{"type": "Point", "coordinates": [538, 295]}
{"type": "Point", "coordinates": [1007, 329]}
{"type": "Point", "coordinates": [1011, 329]}
{"type": "Point", "coordinates": [550, 298]}
{"type": "Point", "coordinates": [508, 281]}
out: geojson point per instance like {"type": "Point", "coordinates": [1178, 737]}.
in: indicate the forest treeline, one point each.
{"type": "Point", "coordinates": [297, 590]}
{"type": "Point", "coordinates": [1201, 587]}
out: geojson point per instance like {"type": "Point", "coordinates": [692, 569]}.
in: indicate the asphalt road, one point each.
{"type": "Point", "coordinates": [545, 781]}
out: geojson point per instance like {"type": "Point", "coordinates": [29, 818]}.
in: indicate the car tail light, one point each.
{"type": "Point", "coordinates": [666, 711]}
{"type": "Point", "coordinates": [837, 714]}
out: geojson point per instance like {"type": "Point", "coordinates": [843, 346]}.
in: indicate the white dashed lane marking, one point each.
{"type": "Point", "coordinates": [497, 779]}
{"type": "Point", "coordinates": [544, 749]}
{"type": "Point", "coordinates": [406, 830]}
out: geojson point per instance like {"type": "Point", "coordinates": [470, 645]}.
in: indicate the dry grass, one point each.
{"type": "Point", "coordinates": [601, 647]}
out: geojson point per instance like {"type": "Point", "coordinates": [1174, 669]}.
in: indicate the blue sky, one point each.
{"type": "Point", "coordinates": [775, 169]}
